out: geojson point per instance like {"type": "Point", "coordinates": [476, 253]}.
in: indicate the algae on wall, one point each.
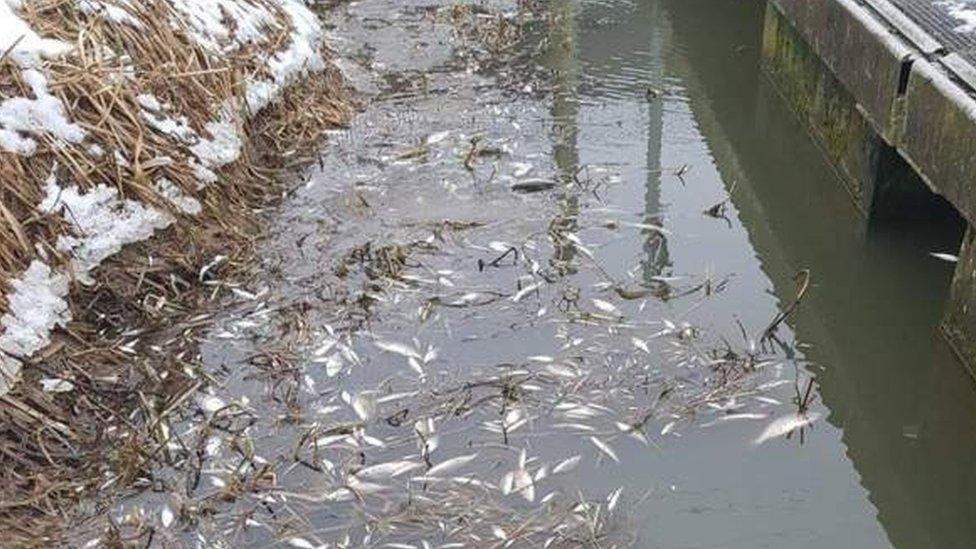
{"type": "Point", "coordinates": [823, 106]}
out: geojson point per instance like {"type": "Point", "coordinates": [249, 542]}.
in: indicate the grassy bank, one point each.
{"type": "Point", "coordinates": [137, 141]}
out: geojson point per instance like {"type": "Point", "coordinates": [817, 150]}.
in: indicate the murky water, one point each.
{"type": "Point", "coordinates": [423, 311]}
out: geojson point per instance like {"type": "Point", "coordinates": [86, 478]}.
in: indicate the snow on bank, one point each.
{"type": "Point", "coordinates": [103, 222]}
{"type": "Point", "coordinates": [43, 113]}
{"type": "Point", "coordinates": [964, 11]}
{"type": "Point", "coordinates": [37, 306]}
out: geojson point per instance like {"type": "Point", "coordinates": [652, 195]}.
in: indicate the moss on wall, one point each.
{"type": "Point", "coordinates": [822, 104]}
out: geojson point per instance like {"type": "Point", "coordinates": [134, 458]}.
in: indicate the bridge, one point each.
{"type": "Point", "coordinates": [887, 88]}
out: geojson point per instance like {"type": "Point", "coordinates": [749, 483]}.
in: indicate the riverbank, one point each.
{"type": "Point", "coordinates": [138, 144]}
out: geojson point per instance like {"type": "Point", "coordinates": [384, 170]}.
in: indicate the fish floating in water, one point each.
{"type": "Point", "coordinates": [945, 257]}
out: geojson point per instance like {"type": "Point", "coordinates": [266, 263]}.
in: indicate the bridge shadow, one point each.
{"type": "Point", "coordinates": [906, 407]}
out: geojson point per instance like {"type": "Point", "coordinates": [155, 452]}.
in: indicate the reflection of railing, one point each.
{"type": "Point", "coordinates": [565, 57]}
{"type": "Point", "coordinates": [657, 260]}
{"type": "Point", "coordinates": [561, 57]}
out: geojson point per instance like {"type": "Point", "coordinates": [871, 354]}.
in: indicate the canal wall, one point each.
{"type": "Point", "coordinates": [886, 88]}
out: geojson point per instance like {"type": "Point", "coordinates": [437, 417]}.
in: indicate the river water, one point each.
{"type": "Point", "coordinates": [516, 255]}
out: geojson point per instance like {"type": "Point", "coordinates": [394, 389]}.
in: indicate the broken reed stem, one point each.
{"type": "Point", "coordinates": [803, 284]}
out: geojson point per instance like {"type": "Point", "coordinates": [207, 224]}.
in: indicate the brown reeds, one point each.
{"type": "Point", "coordinates": [57, 447]}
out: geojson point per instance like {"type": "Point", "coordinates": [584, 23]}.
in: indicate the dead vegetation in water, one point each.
{"type": "Point", "coordinates": [498, 33]}
{"type": "Point", "coordinates": [438, 452]}
{"type": "Point", "coordinates": [460, 457]}
{"type": "Point", "coordinates": [56, 446]}
{"type": "Point", "coordinates": [508, 45]}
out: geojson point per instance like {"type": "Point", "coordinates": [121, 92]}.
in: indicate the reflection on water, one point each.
{"type": "Point", "coordinates": [904, 410]}
{"type": "Point", "coordinates": [560, 58]}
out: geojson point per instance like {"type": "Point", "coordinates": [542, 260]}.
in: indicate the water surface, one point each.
{"type": "Point", "coordinates": [639, 117]}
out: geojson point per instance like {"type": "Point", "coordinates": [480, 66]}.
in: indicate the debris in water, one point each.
{"type": "Point", "coordinates": [786, 425]}
{"type": "Point", "coordinates": [528, 186]}
{"type": "Point", "coordinates": [949, 258]}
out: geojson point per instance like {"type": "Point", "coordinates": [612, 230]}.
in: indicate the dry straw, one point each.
{"type": "Point", "coordinates": [54, 447]}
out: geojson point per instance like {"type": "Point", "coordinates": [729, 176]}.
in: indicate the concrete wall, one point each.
{"type": "Point", "coordinates": [960, 319]}
{"type": "Point", "coordinates": [822, 103]}
{"type": "Point", "coordinates": [939, 136]}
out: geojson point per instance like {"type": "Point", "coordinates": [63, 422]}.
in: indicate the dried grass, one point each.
{"type": "Point", "coordinates": [54, 447]}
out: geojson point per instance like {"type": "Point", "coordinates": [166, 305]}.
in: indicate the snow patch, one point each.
{"type": "Point", "coordinates": [102, 222]}
{"type": "Point", "coordinates": [299, 58]}
{"type": "Point", "coordinates": [157, 119]}
{"type": "Point", "coordinates": [21, 117]}
{"type": "Point", "coordinates": [175, 196]}
{"type": "Point", "coordinates": [24, 45]}
{"type": "Point", "coordinates": [112, 12]}
{"type": "Point", "coordinates": [221, 26]}
{"type": "Point", "coordinates": [223, 148]}
{"type": "Point", "coordinates": [44, 114]}
{"type": "Point", "coordinates": [37, 305]}
{"type": "Point", "coordinates": [964, 11]}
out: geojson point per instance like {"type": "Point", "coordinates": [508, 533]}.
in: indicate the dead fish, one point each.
{"type": "Point", "coordinates": [413, 154]}
{"type": "Point", "coordinates": [632, 292]}
{"type": "Point", "coordinates": [786, 425]}
{"type": "Point", "coordinates": [949, 258]}
{"type": "Point", "coordinates": [397, 348]}
{"type": "Point", "coordinates": [451, 465]}
{"type": "Point", "coordinates": [520, 482]}
{"type": "Point", "coordinates": [566, 465]}
{"type": "Point", "coordinates": [435, 138]}
{"type": "Point", "coordinates": [385, 471]}
{"type": "Point", "coordinates": [526, 291]}
{"type": "Point", "coordinates": [605, 448]}
{"type": "Point", "coordinates": [640, 344]}
{"type": "Point", "coordinates": [533, 185]}
{"type": "Point", "coordinates": [606, 307]}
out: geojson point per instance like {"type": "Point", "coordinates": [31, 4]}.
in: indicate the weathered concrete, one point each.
{"type": "Point", "coordinates": [893, 108]}
{"type": "Point", "coordinates": [939, 138]}
{"type": "Point", "coordinates": [960, 319]}
{"type": "Point", "coordinates": [858, 50]}
{"type": "Point", "coordinates": [823, 104]}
